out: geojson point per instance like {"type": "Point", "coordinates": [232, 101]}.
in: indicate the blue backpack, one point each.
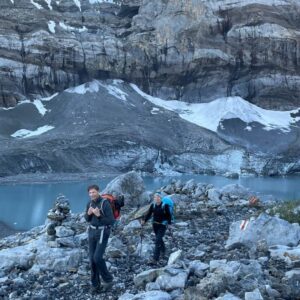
{"type": "Point", "coordinates": [168, 200]}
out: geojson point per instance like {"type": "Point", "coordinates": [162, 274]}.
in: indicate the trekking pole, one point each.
{"type": "Point", "coordinates": [141, 241]}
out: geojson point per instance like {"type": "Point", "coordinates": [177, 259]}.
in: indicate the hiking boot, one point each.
{"type": "Point", "coordinates": [106, 286]}
{"type": "Point", "coordinates": [95, 289]}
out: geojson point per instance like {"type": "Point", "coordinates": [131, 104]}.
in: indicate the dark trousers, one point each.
{"type": "Point", "coordinates": [159, 230]}
{"type": "Point", "coordinates": [96, 251]}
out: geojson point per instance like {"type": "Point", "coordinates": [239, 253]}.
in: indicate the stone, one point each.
{"type": "Point", "coordinates": [169, 283]}
{"type": "Point", "coordinates": [151, 295]}
{"type": "Point", "coordinates": [115, 252]}
{"type": "Point", "coordinates": [141, 279]}
{"type": "Point", "coordinates": [254, 295]}
{"type": "Point", "coordinates": [228, 296]}
{"type": "Point", "coordinates": [131, 185]}
{"type": "Point", "coordinates": [271, 229]}
{"type": "Point", "coordinates": [62, 231]}
{"type": "Point", "coordinates": [174, 257]}
{"type": "Point", "coordinates": [198, 268]}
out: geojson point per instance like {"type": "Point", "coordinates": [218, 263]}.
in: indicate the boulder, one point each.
{"type": "Point", "coordinates": [169, 283]}
{"type": "Point", "coordinates": [141, 279]}
{"type": "Point", "coordinates": [273, 230]}
{"type": "Point", "coordinates": [174, 257]}
{"type": "Point", "coordinates": [254, 295]}
{"type": "Point", "coordinates": [131, 185]}
{"type": "Point", "coordinates": [151, 295]}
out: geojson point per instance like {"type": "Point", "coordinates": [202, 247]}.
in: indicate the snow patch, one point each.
{"type": "Point", "coordinates": [155, 111]}
{"type": "Point", "coordinates": [78, 4]}
{"type": "Point", "coordinates": [209, 115]}
{"type": "Point", "coordinates": [51, 26]}
{"type": "Point", "coordinates": [248, 128]}
{"type": "Point", "coordinates": [40, 107]}
{"type": "Point", "coordinates": [115, 91]}
{"type": "Point", "coordinates": [49, 4]}
{"type": "Point", "coordinates": [71, 28]}
{"type": "Point", "coordinates": [24, 133]}
{"type": "Point", "coordinates": [38, 6]}
{"type": "Point", "coordinates": [12, 1]}
{"type": "Point", "coordinates": [49, 98]}
{"type": "Point", "coordinates": [91, 87]}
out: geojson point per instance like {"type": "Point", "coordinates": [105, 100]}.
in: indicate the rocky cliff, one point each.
{"type": "Point", "coordinates": [195, 50]}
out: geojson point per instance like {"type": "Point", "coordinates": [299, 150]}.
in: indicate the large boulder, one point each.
{"type": "Point", "coordinates": [150, 295]}
{"type": "Point", "coordinates": [131, 185]}
{"type": "Point", "coordinates": [273, 230]}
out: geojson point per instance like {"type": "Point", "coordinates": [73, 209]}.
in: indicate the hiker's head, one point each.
{"type": "Point", "coordinates": [157, 198]}
{"type": "Point", "coordinates": [93, 191]}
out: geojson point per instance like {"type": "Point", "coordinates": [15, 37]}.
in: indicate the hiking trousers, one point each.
{"type": "Point", "coordinates": [159, 230]}
{"type": "Point", "coordinates": [97, 245]}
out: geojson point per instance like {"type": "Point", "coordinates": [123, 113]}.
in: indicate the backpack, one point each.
{"type": "Point", "coordinates": [168, 200]}
{"type": "Point", "coordinates": [116, 203]}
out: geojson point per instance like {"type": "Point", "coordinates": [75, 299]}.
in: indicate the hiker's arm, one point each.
{"type": "Point", "coordinates": [107, 218]}
{"type": "Point", "coordinates": [88, 217]}
{"type": "Point", "coordinates": [149, 214]}
{"type": "Point", "coordinates": [168, 214]}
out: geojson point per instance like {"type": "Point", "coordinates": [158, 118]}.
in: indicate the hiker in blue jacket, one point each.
{"type": "Point", "coordinates": [161, 218]}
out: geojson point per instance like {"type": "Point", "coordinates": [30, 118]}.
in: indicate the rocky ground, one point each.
{"type": "Point", "coordinates": [209, 255]}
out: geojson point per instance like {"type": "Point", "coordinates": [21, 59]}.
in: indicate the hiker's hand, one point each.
{"type": "Point", "coordinates": [90, 211]}
{"type": "Point", "coordinates": [97, 212]}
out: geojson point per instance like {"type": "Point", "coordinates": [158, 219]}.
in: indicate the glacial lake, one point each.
{"type": "Point", "coordinates": [23, 206]}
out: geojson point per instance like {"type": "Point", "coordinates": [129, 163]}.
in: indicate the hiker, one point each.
{"type": "Point", "coordinates": [100, 216]}
{"type": "Point", "coordinates": [161, 218]}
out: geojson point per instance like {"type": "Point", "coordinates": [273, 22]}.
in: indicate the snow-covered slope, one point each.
{"type": "Point", "coordinates": [112, 125]}
{"type": "Point", "coordinates": [209, 115]}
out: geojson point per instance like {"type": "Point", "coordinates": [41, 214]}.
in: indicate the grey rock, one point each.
{"type": "Point", "coordinates": [228, 296]}
{"type": "Point", "coordinates": [255, 295]}
{"type": "Point", "coordinates": [62, 231]}
{"type": "Point", "coordinates": [174, 257]}
{"type": "Point", "coordinates": [131, 185]}
{"type": "Point", "coordinates": [145, 277]}
{"type": "Point", "coordinates": [151, 295]}
{"type": "Point", "coordinates": [272, 229]}
{"type": "Point", "coordinates": [169, 283]}
{"type": "Point", "coordinates": [198, 268]}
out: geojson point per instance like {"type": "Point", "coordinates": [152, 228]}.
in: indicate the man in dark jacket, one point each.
{"type": "Point", "coordinates": [100, 216]}
{"type": "Point", "coordinates": [161, 218]}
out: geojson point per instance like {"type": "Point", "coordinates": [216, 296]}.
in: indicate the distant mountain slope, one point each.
{"type": "Point", "coordinates": [113, 126]}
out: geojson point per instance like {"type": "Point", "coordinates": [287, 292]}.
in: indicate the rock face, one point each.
{"type": "Point", "coordinates": [176, 49]}
{"type": "Point", "coordinates": [194, 51]}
